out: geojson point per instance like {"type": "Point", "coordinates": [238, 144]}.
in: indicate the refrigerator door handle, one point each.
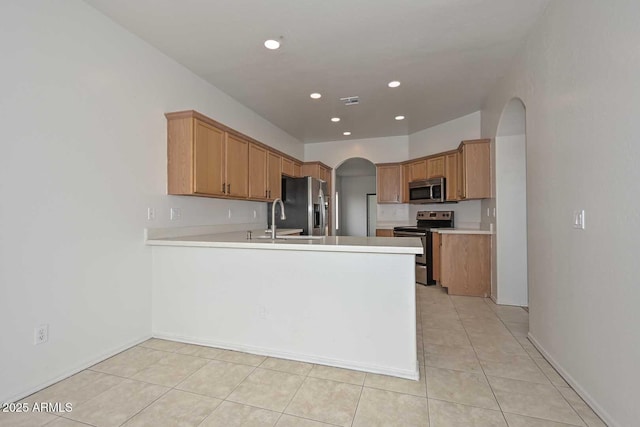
{"type": "Point", "coordinates": [323, 211]}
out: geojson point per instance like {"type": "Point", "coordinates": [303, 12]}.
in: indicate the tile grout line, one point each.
{"type": "Point", "coordinates": [493, 393]}
{"type": "Point", "coordinates": [353, 420]}
{"type": "Point", "coordinates": [546, 376]}
{"type": "Point", "coordinates": [531, 358]}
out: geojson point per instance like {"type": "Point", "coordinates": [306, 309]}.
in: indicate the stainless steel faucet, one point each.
{"type": "Point", "coordinates": [273, 215]}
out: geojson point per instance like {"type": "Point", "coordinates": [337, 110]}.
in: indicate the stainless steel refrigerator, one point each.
{"type": "Point", "coordinates": [305, 204]}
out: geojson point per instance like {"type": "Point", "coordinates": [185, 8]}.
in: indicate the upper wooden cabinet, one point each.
{"type": "Point", "coordinates": [203, 160]}
{"type": "Point", "coordinates": [274, 176]}
{"type": "Point", "coordinates": [435, 167]}
{"type": "Point", "coordinates": [237, 166]}
{"type": "Point", "coordinates": [287, 167]}
{"type": "Point", "coordinates": [418, 170]}
{"type": "Point", "coordinates": [405, 179]}
{"type": "Point", "coordinates": [208, 161]}
{"type": "Point", "coordinates": [317, 170]}
{"type": "Point", "coordinates": [207, 158]}
{"type": "Point", "coordinates": [389, 179]}
{"type": "Point", "coordinates": [257, 172]}
{"type": "Point", "coordinates": [451, 177]}
{"type": "Point", "coordinates": [474, 169]}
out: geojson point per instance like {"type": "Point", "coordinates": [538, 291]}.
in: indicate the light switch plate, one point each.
{"type": "Point", "coordinates": [175, 214]}
{"type": "Point", "coordinates": [578, 219]}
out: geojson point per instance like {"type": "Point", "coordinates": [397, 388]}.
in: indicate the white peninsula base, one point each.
{"type": "Point", "coordinates": [347, 309]}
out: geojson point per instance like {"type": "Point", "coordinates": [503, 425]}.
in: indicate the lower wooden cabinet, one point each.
{"type": "Point", "coordinates": [384, 232]}
{"type": "Point", "coordinates": [435, 256]}
{"type": "Point", "coordinates": [465, 264]}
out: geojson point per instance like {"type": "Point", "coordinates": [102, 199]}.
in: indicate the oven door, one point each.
{"type": "Point", "coordinates": [420, 259]}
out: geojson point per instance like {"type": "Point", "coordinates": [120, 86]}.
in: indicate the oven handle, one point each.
{"type": "Point", "coordinates": [408, 234]}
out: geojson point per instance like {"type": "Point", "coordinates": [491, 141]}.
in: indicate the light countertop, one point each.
{"type": "Point", "coordinates": [238, 240]}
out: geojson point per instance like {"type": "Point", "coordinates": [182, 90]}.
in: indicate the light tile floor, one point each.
{"type": "Point", "coordinates": [477, 369]}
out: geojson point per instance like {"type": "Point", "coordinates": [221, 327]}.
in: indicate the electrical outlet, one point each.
{"type": "Point", "coordinates": [175, 214]}
{"type": "Point", "coordinates": [255, 214]}
{"type": "Point", "coordinates": [151, 214]}
{"type": "Point", "coordinates": [41, 334]}
{"type": "Point", "coordinates": [229, 213]}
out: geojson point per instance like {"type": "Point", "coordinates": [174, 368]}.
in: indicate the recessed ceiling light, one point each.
{"type": "Point", "coordinates": [399, 117]}
{"type": "Point", "coordinates": [315, 95]}
{"type": "Point", "coordinates": [394, 83]}
{"type": "Point", "coordinates": [335, 119]}
{"type": "Point", "coordinates": [346, 133]}
{"type": "Point", "coordinates": [272, 44]}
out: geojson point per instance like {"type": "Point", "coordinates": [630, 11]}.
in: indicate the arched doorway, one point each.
{"type": "Point", "coordinates": [510, 282]}
{"type": "Point", "coordinates": [355, 189]}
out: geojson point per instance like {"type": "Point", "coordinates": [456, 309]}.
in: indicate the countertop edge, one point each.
{"type": "Point", "coordinates": [290, 246]}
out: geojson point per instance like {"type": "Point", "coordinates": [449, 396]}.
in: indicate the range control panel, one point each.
{"type": "Point", "coordinates": [438, 215]}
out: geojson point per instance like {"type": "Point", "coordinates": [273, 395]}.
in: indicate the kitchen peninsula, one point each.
{"type": "Point", "coordinates": [341, 301]}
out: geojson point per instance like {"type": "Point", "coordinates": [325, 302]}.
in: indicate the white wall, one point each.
{"type": "Point", "coordinates": [445, 136]}
{"type": "Point", "coordinates": [578, 77]}
{"type": "Point", "coordinates": [84, 155]}
{"type": "Point", "coordinates": [353, 200]}
{"type": "Point", "coordinates": [436, 139]}
{"type": "Point", "coordinates": [376, 150]}
{"type": "Point", "coordinates": [511, 221]}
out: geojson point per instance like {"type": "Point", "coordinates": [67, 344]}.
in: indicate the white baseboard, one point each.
{"type": "Point", "coordinates": [599, 410]}
{"type": "Point", "coordinates": [264, 351]}
{"type": "Point", "coordinates": [81, 366]}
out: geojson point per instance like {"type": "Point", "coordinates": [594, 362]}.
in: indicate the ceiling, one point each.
{"type": "Point", "coordinates": [446, 53]}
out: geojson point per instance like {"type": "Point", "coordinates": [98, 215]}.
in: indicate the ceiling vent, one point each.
{"type": "Point", "coordinates": [350, 100]}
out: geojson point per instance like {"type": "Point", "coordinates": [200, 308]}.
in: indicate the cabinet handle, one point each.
{"type": "Point", "coordinates": [228, 188]}
{"type": "Point", "coordinates": [397, 198]}
{"type": "Point", "coordinates": [223, 188]}
{"type": "Point", "coordinates": [266, 194]}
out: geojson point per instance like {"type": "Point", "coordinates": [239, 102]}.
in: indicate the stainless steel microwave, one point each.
{"type": "Point", "coordinates": [427, 191]}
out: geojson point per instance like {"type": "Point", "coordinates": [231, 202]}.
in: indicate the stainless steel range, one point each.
{"type": "Point", "coordinates": [427, 220]}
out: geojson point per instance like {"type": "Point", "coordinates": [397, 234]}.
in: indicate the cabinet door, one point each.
{"type": "Point", "coordinates": [209, 155]}
{"type": "Point", "coordinates": [466, 264]}
{"type": "Point", "coordinates": [325, 174]}
{"type": "Point", "coordinates": [461, 176]}
{"type": "Point", "coordinates": [418, 170]}
{"type": "Point", "coordinates": [435, 167]}
{"type": "Point", "coordinates": [435, 239]}
{"type": "Point", "coordinates": [404, 181]}
{"type": "Point", "coordinates": [257, 172]}
{"type": "Point", "coordinates": [389, 184]}
{"type": "Point", "coordinates": [274, 176]}
{"type": "Point", "coordinates": [287, 167]}
{"type": "Point", "coordinates": [451, 177]}
{"type": "Point", "coordinates": [311, 170]}
{"type": "Point", "coordinates": [477, 174]}
{"type": "Point", "coordinates": [237, 167]}
{"type": "Point", "coordinates": [297, 169]}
